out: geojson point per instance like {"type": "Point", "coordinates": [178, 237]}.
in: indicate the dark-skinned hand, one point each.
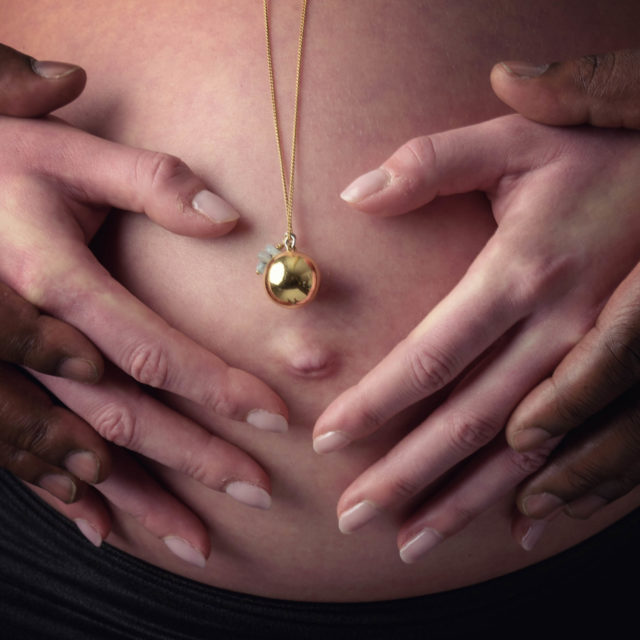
{"type": "Point", "coordinates": [593, 396]}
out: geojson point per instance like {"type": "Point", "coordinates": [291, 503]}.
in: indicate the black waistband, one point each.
{"type": "Point", "coordinates": [54, 585]}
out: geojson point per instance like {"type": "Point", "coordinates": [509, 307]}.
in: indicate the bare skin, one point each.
{"type": "Point", "coordinates": [314, 354]}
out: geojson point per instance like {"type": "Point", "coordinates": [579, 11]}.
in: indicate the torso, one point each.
{"type": "Point", "coordinates": [192, 82]}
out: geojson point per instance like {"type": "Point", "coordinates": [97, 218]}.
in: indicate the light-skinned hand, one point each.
{"type": "Point", "coordinates": [531, 294]}
{"type": "Point", "coordinates": [60, 309]}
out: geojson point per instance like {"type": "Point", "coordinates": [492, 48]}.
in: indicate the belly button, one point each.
{"type": "Point", "coordinates": [307, 360]}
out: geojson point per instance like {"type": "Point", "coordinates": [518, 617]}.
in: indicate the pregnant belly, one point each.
{"type": "Point", "coordinates": [376, 74]}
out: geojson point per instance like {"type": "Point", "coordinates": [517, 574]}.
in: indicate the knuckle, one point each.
{"type": "Point", "coordinates": [622, 342]}
{"type": "Point", "coordinates": [583, 477]}
{"type": "Point", "coordinates": [197, 465]}
{"type": "Point", "coordinates": [148, 364]}
{"type": "Point", "coordinates": [21, 346]}
{"type": "Point", "coordinates": [371, 414]}
{"type": "Point", "coordinates": [405, 486]}
{"type": "Point", "coordinates": [461, 514]}
{"type": "Point", "coordinates": [429, 370]}
{"type": "Point", "coordinates": [467, 433]}
{"type": "Point", "coordinates": [529, 462]}
{"type": "Point", "coordinates": [420, 152]}
{"type": "Point", "coordinates": [116, 423]}
{"type": "Point", "coordinates": [220, 401]}
{"type": "Point", "coordinates": [410, 163]}
{"type": "Point", "coordinates": [572, 405]}
{"type": "Point", "coordinates": [593, 73]}
{"type": "Point", "coordinates": [35, 434]}
{"type": "Point", "coordinates": [157, 168]}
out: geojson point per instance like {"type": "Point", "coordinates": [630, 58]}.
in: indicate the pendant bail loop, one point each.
{"type": "Point", "coordinates": [289, 241]}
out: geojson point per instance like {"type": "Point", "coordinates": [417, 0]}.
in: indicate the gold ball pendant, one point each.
{"type": "Point", "coordinates": [291, 279]}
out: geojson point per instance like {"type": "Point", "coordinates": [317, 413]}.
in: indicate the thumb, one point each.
{"type": "Point", "coordinates": [30, 88]}
{"type": "Point", "coordinates": [602, 90]}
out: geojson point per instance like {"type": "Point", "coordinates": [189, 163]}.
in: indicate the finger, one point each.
{"type": "Point", "coordinates": [132, 490]}
{"type": "Point", "coordinates": [123, 414]}
{"type": "Point", "coordinates": [88, 512]}
{"type": "Point", "coordinates": [31, 87]}
{"type": "Point", "coordinates": [471, 417]}
{"type": "Point", "coordinates": [457, 161]}
{"type": "Point", "coordinates": [483, 482]}
{"type": "Point", "coordinates": [156, 184]}
{"type": "Point", "coordinates": [29, 468]}
{"type": "Point", "coordinates": [62, 277]}
{"type": "Point", "coordinates": [603, 90]}
{"type": "Point", "coordinates": [43, 343]}
{"type": "Point", "coordinates": [44, 444]}
{"type": "Point", "coordinates": [595, 465]}
{"type": "Point", "coordinates": [482, 307]}
{"type": "Point", "coordinates": [527, 532]}
{"type": "Point", "coordinates": [153, 353]}
{"type": "Point", "coordinates": [604, 364]}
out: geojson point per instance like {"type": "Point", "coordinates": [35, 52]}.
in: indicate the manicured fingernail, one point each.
{"type": "Point", "coordinates": [84, 465]}
{"type": "Point", "coordinates": [214, 207]}
{"type": "Point", "coordinates": [330, 441]}
{"type": "Point", "coordinates": [89, 531]}
{"type": "Point", "coordinates": [78, 369]}
{"type": "Point", "coordinates": [419, 545]}
{"type": "Point", "coordinates": [248, 494]}
{"type": "Point", "coordinates": [357, 516]}
{"type": "Point", "coordinates": [59, 485]}
{"type": "Point", "coordinates": [540, 505]}
{"type": "Point", "coordinates": [365, 186]}
{"type": "Point", "coordinates": [524, 69]}
{"type": "Point", "coordinates": [533, 534]}
{"type": "Point", "coordinates": [586, 506]}
{"type": "Point", "coordinates": [53, 70]}
{"type": "Point", "coordinates": [262, 419]}
{"type": "Point", "coordinates": [181, 548]}
{"type": "Point", "coordinates": [530, 438]}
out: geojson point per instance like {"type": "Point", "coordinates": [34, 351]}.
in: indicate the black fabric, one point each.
{"type": "Point", "coordinates": [56, 586]}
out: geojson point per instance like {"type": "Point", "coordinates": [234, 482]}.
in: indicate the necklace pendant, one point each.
{"type": "Point", "coordinates": [291, 278]}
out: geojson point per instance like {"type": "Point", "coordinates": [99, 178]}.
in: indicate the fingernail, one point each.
{"type": "Point", "coordinates": [53, 70]}
{"type": "Point", "coordinates": [59, 485]}
{"type": "Point", "coordinates": [89, 531]}
{"type": "Point", "coordinates": [524, 69]}
{"type": "Point", "coordinates": [540, 505]}
{"type": "Point", "coordinates": [78, 369]}
{"type": "Point", "coordinates": [214, 207]}
{"type": "Point", "coordinates": [586, 506]}
{"type": "Point", "coordinates": [248, 494]}
{"type": "Point", "coordinates": [330, 441]}
{"type": "Point", "coordinates": [365, 186]}
{"type": "Point", "coordinates": [357, 516]}
{"type": "Point", "coordinates": [262, 419]}
{"type": "Point", "coordinates": [533, 534]}
{"type": "Point", "coordinates": [419, 545]}
{"type": "Point", "coordinates": [530, 438]}
{"type": "Point", "coordinates": [84, 465]}
{"type": "Point", "coordinates": [185, 551]}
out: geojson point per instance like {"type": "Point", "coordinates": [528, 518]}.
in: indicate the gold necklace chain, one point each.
{"type": "Point", "coordinates": [286, 190]}
{"type": "Point", "coordinates": [291, 278]}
